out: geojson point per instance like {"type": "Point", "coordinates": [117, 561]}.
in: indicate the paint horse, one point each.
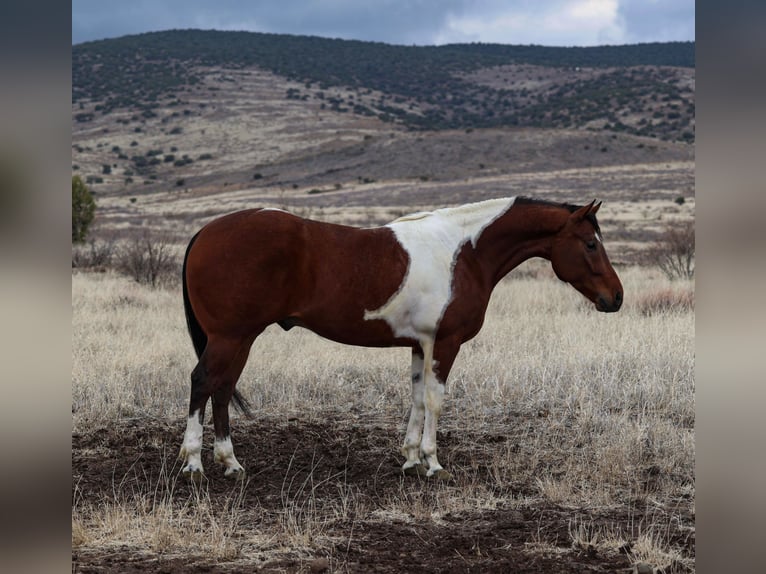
{"type": "Point", "coordinates": [423, 281]}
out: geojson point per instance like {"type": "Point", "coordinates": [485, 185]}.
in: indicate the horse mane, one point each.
{"type": "Point", "coordinates": [568, 206]}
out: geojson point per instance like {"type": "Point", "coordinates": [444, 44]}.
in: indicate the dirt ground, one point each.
{"type": "Point", "coordinates": [339, 453]}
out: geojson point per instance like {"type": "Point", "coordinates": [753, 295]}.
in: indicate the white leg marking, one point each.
{"type": "Point", "coordinates": [434, 399]}
{"type": "Point", "coordinates": [434, 396]}
{"type": "Point", "coordinates": [411, 447]}
{"type": "Point", "coordinates": [191, 449]}
{"type": "Point", "coordinates": [223, 452]}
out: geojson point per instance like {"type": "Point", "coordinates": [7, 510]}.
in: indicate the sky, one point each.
{"type": "Point", "coordinates": [420, 22]}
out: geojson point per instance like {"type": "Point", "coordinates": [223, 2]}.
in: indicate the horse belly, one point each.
{"type": "Point", "coordinates": [356, 331]}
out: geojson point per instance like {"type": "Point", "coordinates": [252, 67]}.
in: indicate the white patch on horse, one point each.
{"type": "Point", "coordinates": [432, 241]}
{"type": "Point", "coordinates": [192, 445]}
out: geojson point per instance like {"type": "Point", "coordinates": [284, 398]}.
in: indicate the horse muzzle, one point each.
{"type": "Point", "coordinates": [609, 305]}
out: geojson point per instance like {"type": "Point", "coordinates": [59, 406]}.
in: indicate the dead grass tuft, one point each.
{"type": "Point", "coordinates": [651, 547]}
{"type": "Point", "coordinates": [666, 300]}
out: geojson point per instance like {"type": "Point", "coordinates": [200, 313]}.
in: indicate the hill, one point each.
{"type": "Point", "coordinates": [426, 87]}
{"type": "Point", "coordinates": [191, 108]}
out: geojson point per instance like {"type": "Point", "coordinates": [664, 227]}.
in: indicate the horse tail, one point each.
{"type": "Point", "coordinates": [198, 335]}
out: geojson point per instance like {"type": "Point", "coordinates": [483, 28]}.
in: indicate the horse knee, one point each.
{"type": "Point", "coordinates": [434, 397]}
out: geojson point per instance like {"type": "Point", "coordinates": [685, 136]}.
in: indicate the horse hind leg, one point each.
{"type": "Point", "coordinates": [191, 448]}
{"type": "Point", "coordinates": [223, 450]}
{"type": "Point", "coordinates": [215, 376]}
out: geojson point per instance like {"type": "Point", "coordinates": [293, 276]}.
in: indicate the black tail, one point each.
{"type": "Point", "coordinates": [198, 336]}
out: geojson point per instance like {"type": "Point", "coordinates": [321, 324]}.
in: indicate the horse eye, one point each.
{"type": "Point", "coordinates": [591, 245]}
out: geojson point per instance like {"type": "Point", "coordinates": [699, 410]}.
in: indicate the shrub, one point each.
{"type": "Point", "coordinates": [183, 161]}
{"type": "Point", "coordinates": [94, 255]}
{"type": "Point", "coordinates": [83, 209]}
{"type": "Point", "coordinates": [673, 252]}
{"type": "Point", "coordinates": [149, 260]}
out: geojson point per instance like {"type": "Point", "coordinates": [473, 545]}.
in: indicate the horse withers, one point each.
{"type": "Point", "coordinates": [423, 281]}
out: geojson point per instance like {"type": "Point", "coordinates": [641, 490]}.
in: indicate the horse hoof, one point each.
{"type": "Point", "coordinates": [441, 475]}
{"type": "Point", "coordinates": [415, 470]}
{"type": "Point", "coordinates": [193, 474]}
{"type": "Point", "coordinates": [235, 474]}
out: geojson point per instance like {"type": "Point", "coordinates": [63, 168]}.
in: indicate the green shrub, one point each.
{"type": "Point", "coordinates": [83, 209]}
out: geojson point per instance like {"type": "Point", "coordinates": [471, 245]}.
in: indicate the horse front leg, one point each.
{"type": "Point", "coordinates": [438, 362]}
{"type": "Point", "coordinates": [411, 447]}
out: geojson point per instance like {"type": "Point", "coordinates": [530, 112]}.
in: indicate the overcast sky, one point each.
{"type": "Point", "coordinates": [422, 22]}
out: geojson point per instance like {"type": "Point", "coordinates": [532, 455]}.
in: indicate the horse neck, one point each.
{"type": "Point", "coordinates": [526, 230]}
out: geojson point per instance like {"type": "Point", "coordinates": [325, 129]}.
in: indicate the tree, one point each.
{"type": "Point", "coordinates": [83, 208]}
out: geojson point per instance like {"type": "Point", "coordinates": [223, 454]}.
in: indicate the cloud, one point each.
{"type": "Point", "coordinates": [562, 23]}
{"type": "Point", "coordinates": [657, 20]}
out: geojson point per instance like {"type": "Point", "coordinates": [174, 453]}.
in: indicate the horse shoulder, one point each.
{"type": "Point", "coordinates": [470, 293]}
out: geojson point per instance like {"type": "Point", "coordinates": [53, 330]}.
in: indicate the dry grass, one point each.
{"type": "Point", "coordinates": [667, 300]}
{"type": "Point", "coordinates": [643, 546]}
{"type": "Point", "coordinates": [150, 515]}
{"type": "Point", "coordinates": [132, 356]}
{"type": "Point", "coordinates": [614, 395]}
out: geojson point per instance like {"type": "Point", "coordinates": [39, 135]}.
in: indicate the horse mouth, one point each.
{"type": "Point", "coordinates": [605, 306]}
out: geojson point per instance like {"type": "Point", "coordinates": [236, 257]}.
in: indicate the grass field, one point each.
{"type": "Point", "coordinates": [570, 435]}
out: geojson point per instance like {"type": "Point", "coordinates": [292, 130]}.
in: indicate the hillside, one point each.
{"type": "Point", "coordinates": [430, 87]}
{"type": "Point", "coordinates": [192, 108]}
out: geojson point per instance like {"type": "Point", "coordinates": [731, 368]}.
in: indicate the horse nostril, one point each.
{"type": "Point", "coordinates": [618, 297]}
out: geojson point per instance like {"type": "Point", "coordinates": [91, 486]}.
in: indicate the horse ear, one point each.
{"type": "Point", "coordinates": [584, 210]}
{"type": "Point", "coordinates": [595, 207]}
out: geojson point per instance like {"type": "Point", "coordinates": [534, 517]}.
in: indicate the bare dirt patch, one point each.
{"type": "Point", "coordinates": [325, 493]}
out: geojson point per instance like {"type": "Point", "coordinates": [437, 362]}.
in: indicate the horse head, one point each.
{"type": "Point", "coordinates": [578, 258]}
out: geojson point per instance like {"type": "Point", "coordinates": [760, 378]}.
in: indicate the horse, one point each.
{"type": "Point", "coordinates": [422, 281]}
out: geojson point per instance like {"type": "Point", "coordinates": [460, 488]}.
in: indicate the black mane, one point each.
{"type": "Point", "coordinates": [568, 206]}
